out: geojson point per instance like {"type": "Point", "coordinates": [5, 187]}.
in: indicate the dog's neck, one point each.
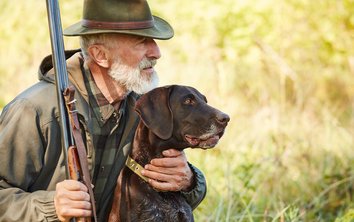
{"type": "Point", "coordinates": [142, 150]}
{"type": "Point", "coordinates": [147, 146]}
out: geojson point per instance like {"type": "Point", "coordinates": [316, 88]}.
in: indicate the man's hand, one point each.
{"type": "Point", "coordinates": [71, 200]}
{"type": "Point", "coordinates": [170, 173]}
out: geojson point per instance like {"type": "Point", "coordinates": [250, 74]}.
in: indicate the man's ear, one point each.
{"type": "Point", "coordinates": [98, 53]}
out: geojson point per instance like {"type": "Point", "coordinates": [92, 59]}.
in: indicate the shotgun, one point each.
{"type": "Point", "coordinates": [76, 167]}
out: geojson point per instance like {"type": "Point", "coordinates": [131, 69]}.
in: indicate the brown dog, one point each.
{"type": "Point", "coordinates": [170, 117]}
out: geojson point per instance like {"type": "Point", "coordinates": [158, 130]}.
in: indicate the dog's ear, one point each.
{"type": "Point", "coordinates": [155, 111]}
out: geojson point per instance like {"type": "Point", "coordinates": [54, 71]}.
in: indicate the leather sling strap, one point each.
{"type": "Point", "coordinates": [70, 104]}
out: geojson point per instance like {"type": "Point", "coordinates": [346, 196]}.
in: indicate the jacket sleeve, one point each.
{"type": "Point", "coordinates": [21, 160]}
{"type": "Point", "coordinates": [195, 196]}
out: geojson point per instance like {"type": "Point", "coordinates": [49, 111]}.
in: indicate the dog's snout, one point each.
{"type": "Point", "coordinates": [222, 118]}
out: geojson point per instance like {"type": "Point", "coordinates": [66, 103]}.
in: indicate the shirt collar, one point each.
{"type": "Point", "coordinates": [102, 109]}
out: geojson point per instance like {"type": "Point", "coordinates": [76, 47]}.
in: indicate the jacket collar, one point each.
{"type": "Point", "coordinates": [76, 72]}
{"type": "Point", "coordinates": [46, 70]}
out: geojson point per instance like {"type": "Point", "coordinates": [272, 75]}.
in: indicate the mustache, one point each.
{"type": "Point", "coordinates": [147, 63]}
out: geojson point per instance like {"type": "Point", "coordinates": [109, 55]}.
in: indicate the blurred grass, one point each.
{"type": "Point", "coordinates": [283, 71]}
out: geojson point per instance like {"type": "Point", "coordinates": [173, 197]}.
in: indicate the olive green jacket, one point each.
{"type": "Point", "coordinates": [31, 158]}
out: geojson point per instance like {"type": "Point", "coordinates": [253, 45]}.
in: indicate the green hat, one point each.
{"type": "Point", "coordinates": [120, 16]}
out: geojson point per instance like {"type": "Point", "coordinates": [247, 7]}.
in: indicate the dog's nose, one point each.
{"type": "Point", "coordinates": [222, 118]}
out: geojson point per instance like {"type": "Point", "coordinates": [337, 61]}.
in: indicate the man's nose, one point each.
{"type": "Point", "coordinates": [153, 49]}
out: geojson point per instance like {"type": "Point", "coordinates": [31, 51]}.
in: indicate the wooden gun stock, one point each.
{"type": "Point", "coordinates": [75, 171]}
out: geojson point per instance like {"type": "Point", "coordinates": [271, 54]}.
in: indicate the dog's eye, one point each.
{"type": "Point", "coordinates": [189, 101]}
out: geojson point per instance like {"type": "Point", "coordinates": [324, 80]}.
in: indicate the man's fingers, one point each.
{"type": "Point", "coordinates": [172, 153]}
{"type": "Point", "coordinates": [158, 176]}
{"type": "Point", "coordinates": [172, 158]}
{"type": "Point", "coordinates": [86, 205]}
{"type": "Point", "coordinates": [167, 182]}
{"type": "Point", "coordinates": [73, 195]}
{"type": "Point", "coordinates": [71, 200]}
{"type": "Point", "coordinates": [163, 186]}
{"type": "Point", "coordinates": [71, 212]}
{"type": "Point", "coordinates": [169, 162]}
{"type": "Point", "coordinates": [164, 162]}
{"type": "Point", "coordinates": [170, 170]}
{"type": "Point", "coordinates": [73, 185]}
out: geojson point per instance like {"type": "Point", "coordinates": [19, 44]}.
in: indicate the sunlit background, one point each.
{"type": "Point", "coordinates": [282, 70]}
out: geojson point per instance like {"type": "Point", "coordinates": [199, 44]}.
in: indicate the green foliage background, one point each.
{"type": "Point", "coordinates": [283, 71]}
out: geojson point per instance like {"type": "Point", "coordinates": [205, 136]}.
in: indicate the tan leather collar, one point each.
{"type": "Point", "coordinates": [135, 167]}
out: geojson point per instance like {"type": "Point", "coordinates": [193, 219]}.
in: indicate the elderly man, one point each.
{"type": "Point", "coordinates": [115, 64]}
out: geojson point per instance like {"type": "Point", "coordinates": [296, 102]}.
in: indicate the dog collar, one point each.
{"type": "Point", "coordinates": [135, 167]}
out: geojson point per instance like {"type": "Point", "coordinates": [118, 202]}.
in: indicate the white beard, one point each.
{"type": "Point", "coordinates": [132, 79]}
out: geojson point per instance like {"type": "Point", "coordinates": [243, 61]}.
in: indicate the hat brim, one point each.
{"type": "Point", "coordinates": [161, 30]}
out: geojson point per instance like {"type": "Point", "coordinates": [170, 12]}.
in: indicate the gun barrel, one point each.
{"type": "Point", "coordinates": [61, 75]}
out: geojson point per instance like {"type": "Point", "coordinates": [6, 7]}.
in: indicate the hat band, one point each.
{"type": "Point", "coordinates": [117, 25]}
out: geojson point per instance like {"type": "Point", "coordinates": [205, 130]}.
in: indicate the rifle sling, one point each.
{"type": "Point", "coordinates": [70, 104]}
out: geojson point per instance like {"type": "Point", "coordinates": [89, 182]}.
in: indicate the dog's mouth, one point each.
{"type": "Point", "coordinates": [205, 141]}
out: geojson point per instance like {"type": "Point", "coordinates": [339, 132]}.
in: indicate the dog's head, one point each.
{"type": "Point", "coordinates": [181, 114]}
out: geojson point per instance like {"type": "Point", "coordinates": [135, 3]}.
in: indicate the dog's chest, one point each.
{"type": "Point", "coordinates": [163, 206]}
{"type": "Point", "coordinates": [137, 201]}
